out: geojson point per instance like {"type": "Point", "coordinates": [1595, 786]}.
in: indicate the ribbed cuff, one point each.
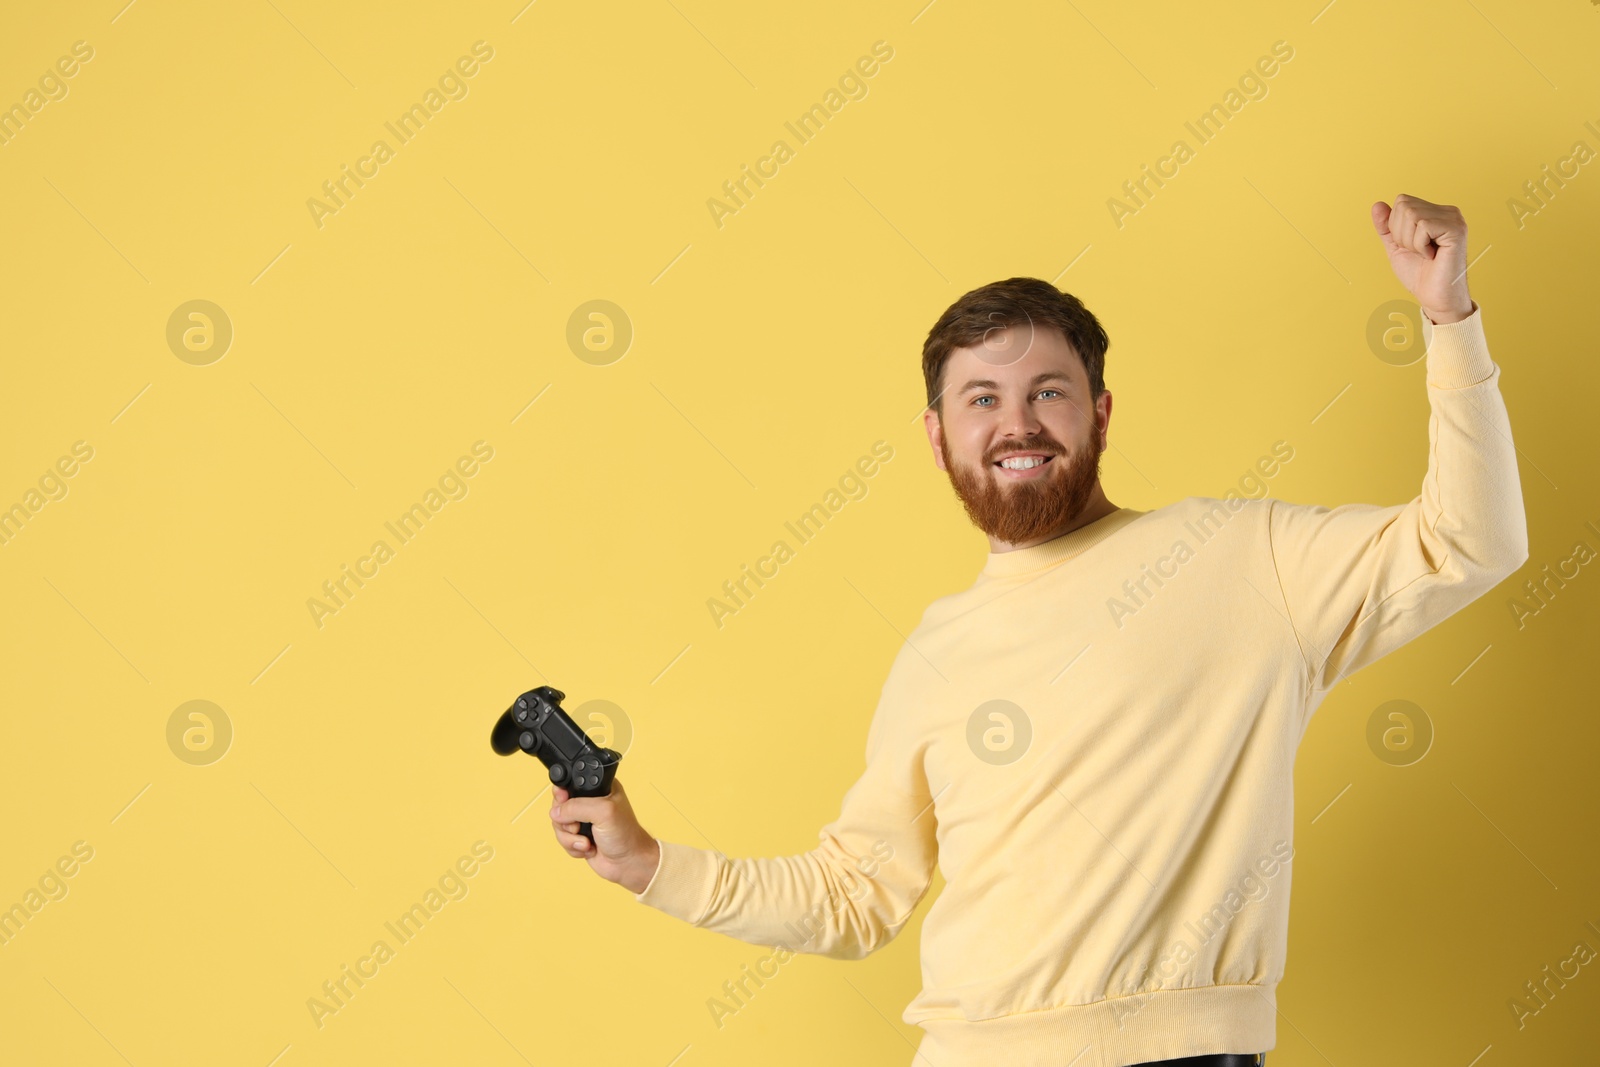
{"type": "Point", "coordinates": [1458, 352]}
{"type": "Point", "coordinates": [683, 883]}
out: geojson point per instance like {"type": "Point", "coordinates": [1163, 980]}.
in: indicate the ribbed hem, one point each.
{"type": "Point", "coordinates": [1458, 352]}
{"type": "Point", "coordinates": [683, 883]}
{"type": "Point", "coordinates": [1027, 560]}
{"type": "Point", "coordinates": [1160, 1025]}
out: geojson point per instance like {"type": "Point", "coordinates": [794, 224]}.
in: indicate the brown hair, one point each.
{"type": "Point", "coordinates": [1014, 302]}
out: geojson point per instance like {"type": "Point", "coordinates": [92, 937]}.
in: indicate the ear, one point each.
{"type": "Point", "coordinates": [931, 423]}
{"type": "Point", "coordinates": [1102, 413]}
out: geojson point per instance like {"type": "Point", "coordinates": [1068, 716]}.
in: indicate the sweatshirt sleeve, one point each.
{"type": "Point", "coordinates": [1359, 581]}
{"type": "Point", "coordinates": [845, 898]}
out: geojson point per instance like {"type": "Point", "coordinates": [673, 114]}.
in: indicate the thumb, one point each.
{"type": "Point", "coordinates": [1380, 222]}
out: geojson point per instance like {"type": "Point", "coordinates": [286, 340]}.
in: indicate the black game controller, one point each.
{"type": "Point", "coordinates": [537, 725]}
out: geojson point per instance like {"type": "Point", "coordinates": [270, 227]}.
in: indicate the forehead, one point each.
{"type": "Point", "coordinates": [1013, 352]}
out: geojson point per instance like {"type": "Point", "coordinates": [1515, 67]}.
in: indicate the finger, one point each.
{"type": "Point", "coordinates": [559, 794]}
{"type": "Point", "coordinates": [1403, 224]}
{"type": "Point", "coordinates": [1430, 226]}
{"type": "Point", "coordinates": [575, 843]}
{"type": "Point", "coordinates": [1427, 230]}
{"type": "Point", "coordinates": [587, 809]}
{"type": "Point", "coordinates": [1442, 225]}
{"type": "Point", "coordinates": [569, 826]}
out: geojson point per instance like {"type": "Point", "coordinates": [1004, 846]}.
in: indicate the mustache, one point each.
{"type": "Point", "coordinates": [1049, 448]}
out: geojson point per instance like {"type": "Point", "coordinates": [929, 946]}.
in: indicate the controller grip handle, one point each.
{"type": "Point", "coordinates": [586, 829]}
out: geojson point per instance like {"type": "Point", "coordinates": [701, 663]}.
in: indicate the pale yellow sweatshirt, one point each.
{"type": "Point", "coordinates": [1096, 743]}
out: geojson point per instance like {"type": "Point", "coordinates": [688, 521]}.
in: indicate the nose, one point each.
{"type": "Point", "coordinates": [1021, 421]}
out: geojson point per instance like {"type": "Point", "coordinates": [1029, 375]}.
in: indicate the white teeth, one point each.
{"type": "Point", "coordinates": [1021, 463]}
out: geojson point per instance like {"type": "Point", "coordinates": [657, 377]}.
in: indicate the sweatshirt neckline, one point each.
{"type": "Point", "coordinates": [1057, 549]}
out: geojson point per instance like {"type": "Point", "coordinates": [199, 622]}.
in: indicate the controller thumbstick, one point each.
{"type": "Point", "coordinates": [558, 773]}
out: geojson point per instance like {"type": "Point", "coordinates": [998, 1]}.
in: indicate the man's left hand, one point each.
{"type": "Point", "coordinates": [1427, 247]}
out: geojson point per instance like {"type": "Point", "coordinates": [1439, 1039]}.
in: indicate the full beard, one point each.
{"type": "Point", "coordinates": [1030, 510]}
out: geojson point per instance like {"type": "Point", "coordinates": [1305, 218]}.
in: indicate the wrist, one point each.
{"type": "Point", "coordinates": [1444, 317]}
{"type": "Point", "coordinates": [642, 870]}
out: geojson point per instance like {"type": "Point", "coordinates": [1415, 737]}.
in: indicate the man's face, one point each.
{"type": "Point", "coordinates": [1021, 391]}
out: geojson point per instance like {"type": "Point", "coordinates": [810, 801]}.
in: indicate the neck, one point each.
{"type": "Point", "coordinates": [1096, 509]}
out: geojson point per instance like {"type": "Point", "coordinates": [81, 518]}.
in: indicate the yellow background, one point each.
{"type": "Point", "coordinates": [768, 355]}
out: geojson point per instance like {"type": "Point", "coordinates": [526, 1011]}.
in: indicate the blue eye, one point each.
{"type": "Point", "coordinates": [989, 396]}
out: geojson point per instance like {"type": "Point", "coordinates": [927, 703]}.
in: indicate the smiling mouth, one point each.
{"type": "Point", "coordinates": [1039, 461]}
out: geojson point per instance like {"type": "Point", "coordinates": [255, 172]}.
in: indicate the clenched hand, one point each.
{"type": "Point", "coordinates": [1427, 247]}
{"type": "Point", "coordinates": [623, 852]}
